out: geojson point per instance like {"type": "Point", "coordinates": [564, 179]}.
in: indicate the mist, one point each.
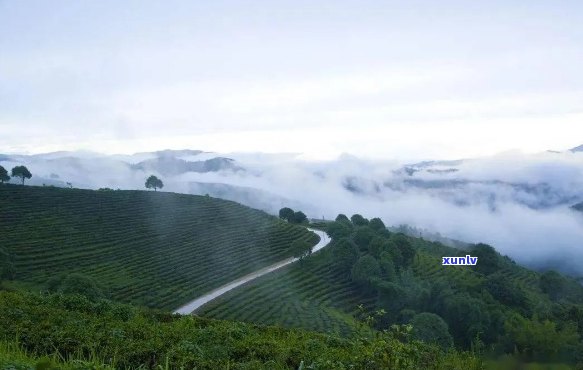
{"type": "Point", "coordinates": [519, 203]}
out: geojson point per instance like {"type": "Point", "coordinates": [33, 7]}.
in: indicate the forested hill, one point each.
{"type": "Point", "coordinates": [389, 278]}
{"type": "Point", "coordinates": [148, 248]}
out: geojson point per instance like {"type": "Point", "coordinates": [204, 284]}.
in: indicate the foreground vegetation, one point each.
{"type": "Point", "coordinates": [154, 249]}
{"type": "Point", "coordinates": [83, 334]}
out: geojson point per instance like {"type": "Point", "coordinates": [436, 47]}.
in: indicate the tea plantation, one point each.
{"type": "Point", "coordinates": [148, 248]}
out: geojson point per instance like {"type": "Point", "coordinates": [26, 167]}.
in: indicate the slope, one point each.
{"type": "Point", "coordinates": [154, 249]}
{"type": "Point", "coordinates": [93, 334]}
{"type": "Point", "coordinates": [395, 278]}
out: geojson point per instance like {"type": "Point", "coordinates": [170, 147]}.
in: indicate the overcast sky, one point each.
{"type": "Point", "coordinates": [407, 79]}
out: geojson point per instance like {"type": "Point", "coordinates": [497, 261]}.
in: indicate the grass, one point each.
{"type": "Point", "coordinates": [155, 249]}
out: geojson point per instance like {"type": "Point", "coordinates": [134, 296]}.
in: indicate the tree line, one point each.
{"type": "Point", "coordinates": [20, 172]}
{"type": "Point", "coordinates": [23, 173]}
{"type": "Point", "coordinates": [498, 315]}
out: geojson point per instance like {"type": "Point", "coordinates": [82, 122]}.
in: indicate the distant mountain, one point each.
{"type": "Point", "coordinates": [176, 153]}
{"type": "Point", "coordinates": [252, 197]}
{"type": "Point", "coordinates": [169, 165]}
{"type": "Point", "coordinates": [577, 149]}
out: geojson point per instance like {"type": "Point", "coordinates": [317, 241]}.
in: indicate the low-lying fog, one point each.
{"type": "Point", "coordinates": [516, 202]}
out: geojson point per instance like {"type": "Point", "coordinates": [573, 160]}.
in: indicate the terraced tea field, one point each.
{"type": "Point", "coordinates": [428, 267]}
{"type": "Point", "coordinates": [154, 249]}
{"type": "Point", "coordinates": [309, 295]}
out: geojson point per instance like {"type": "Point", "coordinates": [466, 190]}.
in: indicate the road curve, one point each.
{"type": "Point", "coordinates": [194, 305]}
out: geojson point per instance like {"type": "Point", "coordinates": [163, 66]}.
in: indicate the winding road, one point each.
{"type": "Point", "coordinates": [200, 301]}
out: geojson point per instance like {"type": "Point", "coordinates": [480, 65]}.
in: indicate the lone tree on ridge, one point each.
{"type": "Point", "coordinates": [3, 175]}
{"type": "Point", "coordinates": [154, 183]}
{"type": "Point", "coordinates": [21, 172]}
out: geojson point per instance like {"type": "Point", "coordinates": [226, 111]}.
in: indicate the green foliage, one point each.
{"type": "Point", "coordinates": [21, 172]}
{"type": "Point", "coordinates": [377, 245]}
{"type": "Point", "coordinates": [124, 252]}
{"type": "Point", "coordinates": [358, 220]}
{"type": "Point", "coordinates": [377, 224]}
{"type": "Point", "coordinates": [188, 246]}
{"type": "Point", "coordinates": [507, 292]}
{"type": "Point", "coordinates": [3, 175]}
{"type": "Point", "coordinates": [312, 296]}
{"type": "Point", "coordinates": [73, 327]}
{"type": "Point", "coordinates": [301, 249]}
{"type": "Point", "coordinates": [154, 183]}
{"type": "Point", "coordinates": [387, 266]}
{"type": "Point", "coordinates": [467, 317]}
{"type": "Point", "coordinates": [365, 271]}
{"type": "Point", "coordinates": [286, 213]}
{"type": "Point", "coordinates": [362, 237]}
{"type": "Point", "coordinates": [75, 284]}
{"type": "Point", "coordinates": [406, 249]}
{"type": "Point", "coordinates": [552, 284]}
{"type": "Point", "coordinates": [536, 339]}
{"type": "Point", "coordinates": [345, 254]}
{"type": "Point", "coordinates": [299, 218]}
{"type": "Point", "coordinates": [338, 229]}
{"type": "Point", "coordinates": [289, 215]}
{"type": "Point", "coordinates": [342, 218]}
{"type": "Point", "coordinates": [431, 328]}
{"type": "Point", "coordinates": [488, 259]}
{"type": "Point", "coordinates": [392, 297]}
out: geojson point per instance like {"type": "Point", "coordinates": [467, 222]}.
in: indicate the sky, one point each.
{"type": "Point", "coordinates": [377, 79]}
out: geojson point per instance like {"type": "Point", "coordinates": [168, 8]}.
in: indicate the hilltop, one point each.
{"type": "Point", "coordinates": [148, 248]}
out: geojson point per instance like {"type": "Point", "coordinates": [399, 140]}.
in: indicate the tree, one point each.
{"type": "Point", "coordinates": [467, 317]}
{"type": "Point", "coordinates": [387, 266]}
{"type": "Point", "coordinates": [488, 260]}
{"type": "Point", "coordinates": [365, 271]}
{"type": "Point", "coordinates": [358, 220]}
{"type": "Point", "coordinates": [363, 236]}
{"type": "Point", "coordinates": [345, 254]}
{"type": "Point", "coordinates": [301, 249]}
{"type": "Point", "coordinates": [391, 297]}
{"type": "Point", "coordinates": [21, 172]}
{"type": "Point", "coordinates": [506, 291]}
{"type": "Point", "coordinates": [3, 175]}
{"type": "Point", "coordinates": [338, 230]}
{"type": "Point", "coordinates": [552, 283]}
{"type": "Point", "coordinates": [431, 328]}
{"type": "Point", "coordinates": [286, 213]}
{"type": "Point", "coordinates": [299, 217]}
{"type": "Point", "coordinates": [539, 338]}
{"type": "Point", "coordinates": [342, 218]}
{"type": "Point", "coordinates": [377, 245]}
{"type": "Point", "coordinates": [75, 284]}
{"type": "Point", "coordinates": [377, 224]}
{"type": "Point", "coordinates": [405, 248]}
{"type": "Point", "coordinates": [154, 183]}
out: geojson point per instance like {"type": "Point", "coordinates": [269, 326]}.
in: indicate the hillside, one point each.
{"type": "Point", "coordinates": [399, 280]}
{"type": "Point", "coordinates": [153, 249]}
{"type": "Point", "coordinates": [105, 335]}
